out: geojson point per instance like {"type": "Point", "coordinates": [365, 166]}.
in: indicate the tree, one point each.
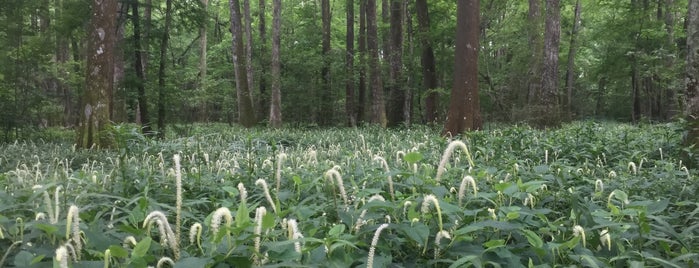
{"type": "Point", "coordinates": [161, 68]}
{"type": "Point", "coordinates": [262, 99]}
{"type": "Point", "coordinates": [275, 114]}
{"type": "Point", "coordinates": [548, 98]}
{"type": "Point", "coordinates": [362, 68]}
{"type": "Point", "coordinates": [246, 114]}
{"type": "Point", "coordinates": [99, 78]}
{"type": "Point", "coordinates": [396, 98]}
{"type": "Point", "coordinates": [349, 67]}
{"type": "Point", "coordinates": [536, 49]}
{"type": "Point", "coordinates": [464, 106]}
{"type": "Point", "coordinates": [692, 73]}
{"type": "Point", "coordinates": [325, 113]}
{"type": "Point", "coordinates": [378, 108]}
{"type": "Point", "coordinates": [570, 70]}
{"type": "Point", "coordinates": [139, 69]}
{"type": "Point", "coordinates": [429, 73]}
{"type": "Point", "coordinates": [247, 30]}
{"type": "Point", "coordinates": [202, 56]}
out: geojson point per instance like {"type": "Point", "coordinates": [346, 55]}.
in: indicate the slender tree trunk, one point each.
{"type": "Point", "coordinates": [549, 77]}
{"type": "Point", "coordinates": [262, 100]}
{"type": "Point", "coordinates": [247, 30]}
{"type": "Point", "coordinates": [202, 61]}
{"type": "Point", "coordinates": [670, 104]}
{"type": "Point", "coordinates": [464, 106]}
{"type": "Point", "coordinates": [161, 69]}
{"type": "Point", "coordinates": [570, 71]}
{"type": "Point", "coordinates": [275, 114]}
{"type": "Point", "coordinates": [99, 79]}
{"type": "Point", "coordinates": [361, 40]}
{"type": "Point", "coordinates": [396, 98]}
{"type": "Point", "coordinates": [635, 91]}
{"type": "Point", "coordinates": [138, 66]}
{"type": "Point", "coordinates": [692, 74]}
{"type": "Point", "coordinates": [409, 40]}
{"type": "Point", "coordinates": [429, 73]}
{"type": "Point", "coordinates": [536, 48]}
{"type": "Point", "coordinates": [325, 113]}
{"type": "Point", "coordinates": [349, 67]}
{"type": "Point", "coordinates": [378, 108]}
{"type": "Point", "coordinates": [119, 96]}
{"type": "Point", "coordinates": [246, 114]}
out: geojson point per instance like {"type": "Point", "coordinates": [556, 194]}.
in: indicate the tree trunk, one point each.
{"type": "Point", "coordinates": [464, 106]}
{"type": "Point", "coordinates": [262, 99]}
{"type": "Point", "coordinates": [119, 96]}
{"type": "Point", "coordinates": [62, 57]}
{"type": "Point", "coordinates": [549, 77]}
{"type": "Point", "coordinates": [570, 71]}
{"type": "Point", "coordinates": [246, 114]}
{"type": "Point", "coordinates": [396, 114]}
{"type": "Point", "coordinates": [325, 113]}
{"type": "Point", "coordinates": [275, 114]}
{"type": "Point", "coordinates": [247, 30]}
{"type": "Point", "coordinates": [138, 66]}
{"type": "Point", "coordinates": [349, 67]}
{"type": "Point", "coordinates": [161, 69]}
{"type": "Point", "coordinates": [692, 74]}
{"type": "Point", "coordinates": [202, 61]}
{"type": "Point", "coordinates": [536, 49]}
{"type": "Point", "coordinates": [378, 108]}
{"type": "Point", "coordinates": [99, 78]}
{"type": "Point", "coordinates": [429, 73]}
{"type": "Point", "coordinates": [361, 40]}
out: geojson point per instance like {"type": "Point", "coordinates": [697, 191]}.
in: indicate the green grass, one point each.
{"type": "Point", "coordinates": [538, 194]}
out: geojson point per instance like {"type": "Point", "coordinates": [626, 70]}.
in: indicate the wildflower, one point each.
{"type": "Point", "coordinates": [605, 239]}
{"type": "Point", "coordinates": [195, 234]}
{"type": "Point", "coordinates": [465, 182]}
{"type": "Point", "coordinates": [599, 186]}
{"type": "Point", "coordinates": [389, 179]}
{"type": "Point", "coordinates": [492, 214]}
{"type": "Point", "coordinates": [164, 228]}
{"type": "Point", "coordinates": [62, 256]}
{"type": "Point", "coordinates": [278, 174]}
{"type": "Point", "coordinates": [441, 234]}
{"type": "Point", "coordinates": [632, 167]}
{"type": "Point", "coordinates": [220, 214]}
{"type": "Point", "coordinates": [579, 231]}
{"type": "Point", "coordinates": [259, 214]}
{"type": "Point", "coordinates": [129, 241]}
{"type": "Point", "coordinates": [426, 207]}
{"type": "Point", "coordinates": [243, 192]}
{"type": "Point", "coordinates": [73, 228]}
{"type": "Point", "coordinates": [372, 248]}
{"type": "Point", "coordinates": [165, 260]}
{"type": "Point", "coordinates": [447, 154]}
{"type": "Point", "coordinates": [333, 173]}
{"type": "Point", "coordinates": [178, 203]}
{"type": "Point", "coordinates": [262, 183]}
{"type": "Point", "coordinates": [294, 233]}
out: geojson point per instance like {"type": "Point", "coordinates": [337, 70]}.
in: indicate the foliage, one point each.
{"type": "Point", "coordinates": [543, 198]}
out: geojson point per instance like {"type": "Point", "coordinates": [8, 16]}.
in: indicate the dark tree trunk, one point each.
{"type": "Point", "coordinates": [349, 67]}
{"type": "Point", "coordinates": [464, 106]}
{"type": "Point", "coordinates": [429, 73]}
{"type": "Point", "coordinates": [536, 48]}
{"type": "Point", "coordinates": [262, 99]}
{"type": "Point", "coordinates": [246, 114]}
{"type": "Point", "coordinates": [396, 113]}
{"type": "Point", "coordinates": [161, 69]}
{"type": "Point", "coordinates": [138, 66]}
{"type": "Point", "coordinates": [247, 30]}
{"type": "Point", "coordinates": [692, 74]}
{"type": "Point", "coordinates": [361, 40]}
{"type": "Point", "coordinates": [325, 113]}
{"type": "Point", "coordinates": [378, 108]}
{"type": "Point", "coordinates": [275, 115]}
{"type": "Point", "coordinates": [570, 70]}
{"type": "Point", "coordinates": [99, 78]}
{"type": "Point", "coordinates": [549, 77]}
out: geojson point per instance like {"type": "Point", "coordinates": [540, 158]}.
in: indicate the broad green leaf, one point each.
{"type": "Point", "coordinates": [142, 247]}
{"type": "Point", "coordinates": [495, 243]}
{"type": "Point", "coordinates": [193, 262]}
{"type": "Point", "coordinates": [412, 157]}
{"type": "Point", "coordinates": [242, 216]}
{"type": "Point", "coordinates": [336, 230]}
{"type": "Point", "coordinates": [118, 251]}
{"type": "Point", "coordinates": [23, 259]}
{"type": "Point", "coordinates": [467, 261]}
{"type": "Point", "coordinates": [268, 221]}
{"type": "Point", "coordinates": [533, 238]}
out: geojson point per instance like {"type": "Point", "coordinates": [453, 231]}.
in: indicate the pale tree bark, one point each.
{"type": "Point", "coordinates": [378, 107]}
{"type": "Point", "coordinates": [536, 49]}
{"type": "Point", "coordinates": [396, 104]}
{"type": "Point", "coordinates": [140, 71]}
{"type": "Point", "coordinates": [275, 114]}
{"type": "Point", "coordinates": [99, 78]}
{"type": "Point", "coordinates": [202, 60]}
{"type": "Point", "coordinates": [161, 69]}
{"type": "Point", "coordinates": [570, 71]}
{"type": "Point", "coordinates": [429, 74]}
{"type": "Point", "coordinates": [325, 113]}
{"type": "Point", "coordinates": [692, 74]}
{"type": "Point", "coordinates": [464, 106]}
{"type": "Point", "coordinates": [548, 98]}
{"type": "Point", "coordinates": [246, 114]}
{"type": "Point", "coordinates": [361, 69]}
{"type": "Point", "coordinates": [247, 30]}
{"type": "Point", "coordinates": [349, 67]}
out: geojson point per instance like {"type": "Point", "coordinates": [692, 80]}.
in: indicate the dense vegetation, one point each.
{"type": "Point", "coordinates": [590, 194]}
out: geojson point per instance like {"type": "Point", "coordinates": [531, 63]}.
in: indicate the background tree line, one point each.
{"type": "Point", "coordinates": [330, 63]}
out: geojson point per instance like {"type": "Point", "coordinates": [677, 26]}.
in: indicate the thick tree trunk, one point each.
{"type": "Point", "coordinates": [262, 99]}
{"type": "Point", "coordinates": [464, 106]}
{"type": "Point", "coordinates": [570, 70]}
{"type": "Point", "coordinates": [161, 69]}
{"type": "Point", "coordinates": [325, 113]}
{"type": "Point", "coordinates": [692, 74]}
{"type": "Point", "coordinates": [140, 72]}
{"type": "Point", "coordinates": [275, 114]}
{"type": "Point", "coordinates": [99, 78]}
{"type": "Point", "coordinates": [429, 73]}
{"type": "Point", "coordinates": [361, 40]}
{"type": "Point", "coordinates": [396, 114]}
{"type": "Point", "coordinates": [349, 67]}
{"type": "Point", "coordinates": [378, 108]}
{"type": "Point", "coordinates": [246, 114]}
{"type": "Point", "coordinates": [536, 49]}
{"type": "Point", "coordinates": [119, 97]}
{"type": "Point", "coordinates": [549, 77]}
{"type": "Point", "coordinates": [247, 30]}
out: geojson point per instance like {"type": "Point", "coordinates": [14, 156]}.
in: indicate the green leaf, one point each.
{"type": "Point", "coordinates": [193, 262]}
{"type": "Point", "coordinates": [533, 238]}
{"type": "Point", "coordinates": [419, 232]}
{"type": "Point", "coordinates": [268, 221]}
{"type": "Point", "coordinates": [118, 251]}
{"type": "Point", "coordinates": [412, 157]}
{"type": "Point", "coordinates": [492, 244]}
{"type": "Point", "coordinates": [141, 249]}
{"type": "Point", "coordinates": [467, 261]}
{"type": "Point", "coordinates": [242, 216]}
{"type": "Point", "coordinates": [23, 259]}
{"type": "Point", "coordinates": [336, 230]}
{"type": "Point", "coordinates": [47, 228]}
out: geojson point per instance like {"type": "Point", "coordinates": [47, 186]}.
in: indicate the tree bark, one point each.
{"type": "Point", "coordinates": [161, 69]}
{"type": "Point", "coordinates": [536, 48]}
{"type": "Point", "coordinates": [262, 99]}
{"type": "Point", "coordinates": [570, 70]}
{"type": "Point", "coordinates": [429, 73]}
{"type": "Point", "coordinates": [275, 114]}
{"type": "Point", "coordinates": [396, 113]}
{"type": "Point", "coordinates": [203, 42]}
{"type": "Point", "coordinates": [378, 108]}
{"type": "Point", "coordinates": [247, 30]}
{"type": "Point", "coordinates": [692, 74]}
{"type": "Point", "coordinates": [464, 106]}
{"type": "Point", "coordinates": [325, 113]}
{"type": "Point", "coordinates": [99, 77]}
{"type": "Point", "coordinates": [119, 97]}
{"type": "Point", "coordinates": [549, 78]}
{"type": "Point", "coordinates": [246, 114]}
{"type": "Point", "coordinates": [138, 66]}
{"type": "Point", "coordinates": [349, 67]}
{"type": "Point", "coordinates": [361, 40]}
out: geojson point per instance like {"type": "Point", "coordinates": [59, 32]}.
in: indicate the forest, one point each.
{"type": "Point", "coordinates": [350, 133]}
